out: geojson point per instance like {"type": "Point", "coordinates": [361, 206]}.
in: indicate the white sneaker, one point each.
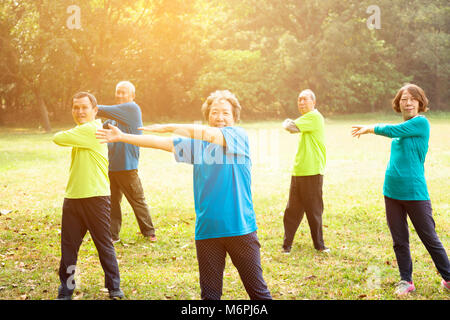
{"type": "Point", "coordinates": [404, 287]}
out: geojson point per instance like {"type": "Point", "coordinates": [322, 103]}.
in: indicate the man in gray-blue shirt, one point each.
{"type": "Point", "coordinates": [124, 160]}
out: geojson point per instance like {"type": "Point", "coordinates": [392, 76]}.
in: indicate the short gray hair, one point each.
{"type": "Point", "coordinates": [222, 95]}
{"type": "Point", "coordinates": [310, 92]}
{"type": "Point", "coordinates": [128, 84]}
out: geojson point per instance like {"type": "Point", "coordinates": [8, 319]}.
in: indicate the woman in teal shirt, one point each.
{"type": "Point", "coordinates": [405, 189]}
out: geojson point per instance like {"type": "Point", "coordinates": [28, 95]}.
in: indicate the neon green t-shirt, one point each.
{"type": "Point", "coordinates": [88, 174]}
{"type": "Point", "coordinates": [311, 153]}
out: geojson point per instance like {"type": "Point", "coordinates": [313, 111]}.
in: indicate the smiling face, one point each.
{"type": "Point", "coordinates": [410, 100]}
{"type": "Point", "coordinates": [83, 111]}
{"type": "Point", "coordinates": [221, 114]}
{"type": "Point", "coordinates": [409, 106]}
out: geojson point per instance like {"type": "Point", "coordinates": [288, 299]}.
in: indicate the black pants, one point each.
{"type": "Point", "coordinates": [305, 195]}
{"type": "Point", "coordinates": [420, 213]}
{"type": "Point", "coordinates": [128, 183]}
{"type": "Point", "coordinates": [79, 216]}
{"type": "Point", "coordinates": [244, 252]}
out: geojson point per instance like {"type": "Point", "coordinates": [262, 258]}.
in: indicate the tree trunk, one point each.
{"type": "Point", "coordinates": [43, 111]}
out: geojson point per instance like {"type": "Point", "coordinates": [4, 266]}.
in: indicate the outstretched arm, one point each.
{"type": "Point", "coordinates": [193, 131]}
{"type": "Point", "coordinates": [415, 127]}
{"type": "Point", "coordinates": [113, 134]}
{"type": "Point", "coordinates": [81, 137]}
{"type": "Point", "coordinates": [125, 113]}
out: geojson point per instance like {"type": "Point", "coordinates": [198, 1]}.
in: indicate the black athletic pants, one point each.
{"type": "Point", "coordinates": [305, 195]}
{"type": "Point", "coordinates": [79, 216]}
{"type": "Point", "coordinates": [420, 213]}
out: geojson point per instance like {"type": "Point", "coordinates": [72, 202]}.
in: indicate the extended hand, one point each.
{"type": "Point", "coordinates": [112, 134]}
{"type": "Point", "coordinates": [358, 130]}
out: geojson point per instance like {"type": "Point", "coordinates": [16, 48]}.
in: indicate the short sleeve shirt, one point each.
{"type": "Point", "coordinates": [222, 184]}
{"type": "Point", "coordinates": [311, 153]}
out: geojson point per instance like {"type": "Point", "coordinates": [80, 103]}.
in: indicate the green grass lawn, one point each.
{"type": "Point", "coordinates": [361, 265]}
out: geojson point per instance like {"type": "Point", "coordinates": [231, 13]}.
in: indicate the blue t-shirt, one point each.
{"type": "Point", "coordinates": [127, 117]}
{"type": "Point", "coordinates": [222, 184]}
{"type": "Point", "coordinates": [405, 173]}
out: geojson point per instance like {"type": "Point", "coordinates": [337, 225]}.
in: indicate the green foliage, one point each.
{"type": "Point", "coordinates": [421, 39]}
{"type": "Point", "coordinates": [327, 48]}
{"type": "Point", "coordinates": [176, 52]}
{"type": "Point", "coordinates": [244, 73]}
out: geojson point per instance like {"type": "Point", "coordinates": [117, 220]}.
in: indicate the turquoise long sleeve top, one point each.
{"type": "Point", "coordinates": [405, 173]}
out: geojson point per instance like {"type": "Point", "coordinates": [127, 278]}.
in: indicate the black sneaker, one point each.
{"type": "Point", "coordinates": [62, 295]}
{"type": "Point", "coordinates": [116, 294]}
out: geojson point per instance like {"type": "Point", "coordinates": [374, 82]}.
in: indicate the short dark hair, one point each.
{"type": "Point", "coordinates": [83, 94]}
{"type": "Point", "coordinates": [418, 94]}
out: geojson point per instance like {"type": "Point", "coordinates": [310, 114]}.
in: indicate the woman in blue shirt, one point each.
{"type": "Point", "coordinates": [225, 218]}
{"type": "Point", "coordinates": [405, 189]}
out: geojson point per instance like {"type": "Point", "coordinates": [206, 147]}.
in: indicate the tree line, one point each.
{"type": "Point", "coordinates": [176, 52]}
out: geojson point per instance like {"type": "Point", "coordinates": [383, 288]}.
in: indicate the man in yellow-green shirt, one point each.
{"type": "Point", "coordinates": [305, 194]}
{"type": "Point", "coordinates": [87, 198]}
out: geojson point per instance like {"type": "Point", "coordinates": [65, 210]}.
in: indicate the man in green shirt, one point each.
{"type": "Point", "coordinates": [87, 198]}
{"type": "Point", "coordinates": [305, 194]}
